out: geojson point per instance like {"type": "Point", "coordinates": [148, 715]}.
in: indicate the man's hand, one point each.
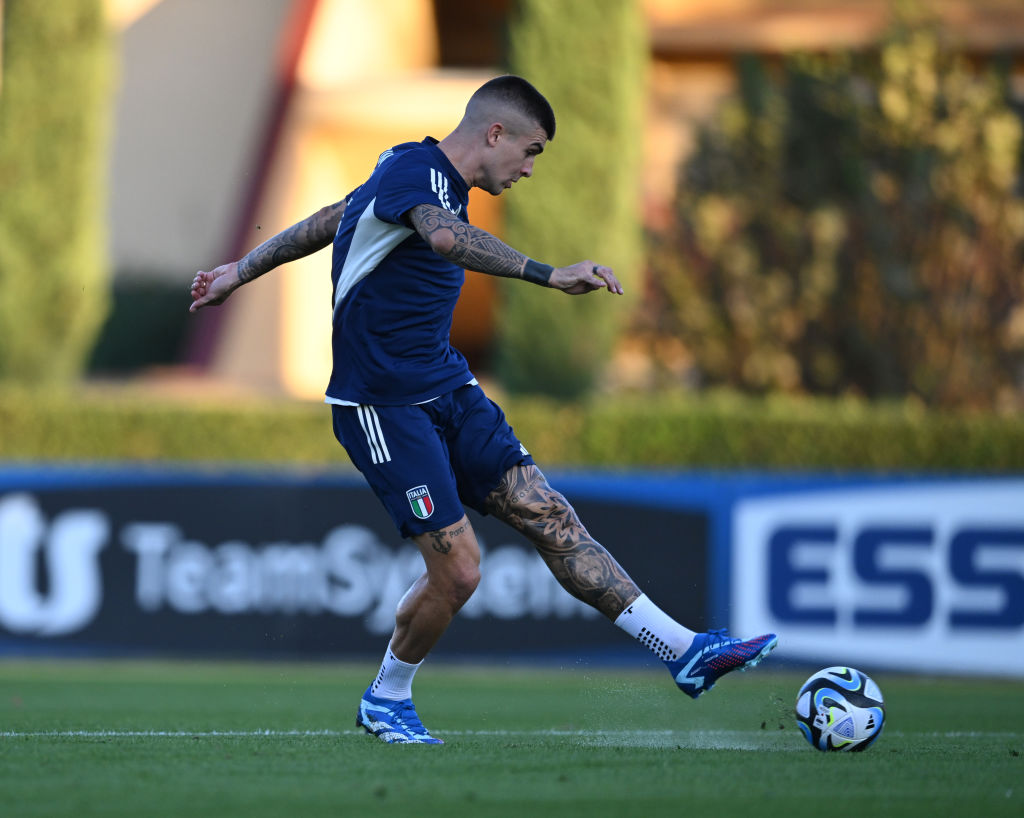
{"type": "Point", "coordinates": [209, 288]}
{"type": "Point", "coordinates": [584, 277]}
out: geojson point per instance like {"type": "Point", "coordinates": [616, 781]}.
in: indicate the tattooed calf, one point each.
{"type": "Point", "coordinates": [582, 565]}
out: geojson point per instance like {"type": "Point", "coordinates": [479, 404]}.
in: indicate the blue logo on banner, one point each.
{"type": "Point", "coordinates": [798, 563]}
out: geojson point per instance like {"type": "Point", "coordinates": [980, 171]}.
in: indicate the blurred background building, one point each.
{"type": "Point", "coordinates": [235, 119]}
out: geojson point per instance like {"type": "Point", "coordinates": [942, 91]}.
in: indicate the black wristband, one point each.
{"type": "Point", "coordinates": [537, 273]}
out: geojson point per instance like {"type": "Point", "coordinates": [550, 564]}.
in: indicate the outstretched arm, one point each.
{"type": "Point", "coordinates": [478, 250]}
{"type": "Point", "coordinates": [298, 241]}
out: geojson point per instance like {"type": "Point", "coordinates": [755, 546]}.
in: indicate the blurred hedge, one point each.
{"type": "Point", "coordinates": [716, 431]}
{"type": "Point", "coordinates": [60, 425]}
{"type": "Point", "coordinates": [589, 58]}
{"type": "Point", "coordinates": [55, 103]}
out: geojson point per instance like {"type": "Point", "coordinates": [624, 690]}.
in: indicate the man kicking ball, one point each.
{"type": "Point", "coordinates": [411, 415]}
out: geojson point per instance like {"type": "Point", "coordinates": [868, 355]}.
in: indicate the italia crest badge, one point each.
{"type": "Point", "coordinates": [421, 502]}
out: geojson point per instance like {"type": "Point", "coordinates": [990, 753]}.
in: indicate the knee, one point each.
{"type": "Point", "coordinates": [454, 581]}
{"type": "Point", "coordinates": [452, 556]}
{"type": "Point", "coordinates": [462, 581]}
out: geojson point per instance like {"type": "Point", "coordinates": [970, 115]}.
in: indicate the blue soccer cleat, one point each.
{"type": "Point", "coordinates": [712, 655]}
{"type": "Point", "coordinates": [393, 722]}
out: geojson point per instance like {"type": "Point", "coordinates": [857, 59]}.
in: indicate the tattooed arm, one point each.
{"type": "Point", "coordinates": [478, 250]}
{"type": "Point", "coordinates": [582, 565]}
{"type": "Point", "coordinates": [298, 241]}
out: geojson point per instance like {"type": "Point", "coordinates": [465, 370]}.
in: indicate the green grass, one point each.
{"type": "Point", "coordinates": [83, 738]}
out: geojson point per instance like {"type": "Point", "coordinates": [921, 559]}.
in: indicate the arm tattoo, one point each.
{"type": "Point", "coordinates": [474, 249]}
{"type": "Point", "coordinates": [298, 241]}
{"type": "Point", "coordinates": [582, 565]}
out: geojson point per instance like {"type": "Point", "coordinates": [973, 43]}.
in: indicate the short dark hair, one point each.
{"type": "Point", "coordinates": [521, 95]}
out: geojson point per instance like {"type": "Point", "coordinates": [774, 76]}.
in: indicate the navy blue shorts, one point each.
{"type": "Point", "coordinates": [426, 461]}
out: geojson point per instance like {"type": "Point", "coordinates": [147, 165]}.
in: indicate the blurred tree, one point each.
{"type": "Point", "coordinates": [54, 104]}
{"type": "Point", "coordinates": [853, 223]}
{"type": "Point", "coordinates": [588, 57]}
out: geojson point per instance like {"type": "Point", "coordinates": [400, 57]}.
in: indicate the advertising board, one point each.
{"type": "Point", "coordinates": [925, 575]}
{"type": "Point", "coordinates": [215, 562]}
{"type": "Point", "coordinates": [902, 572]}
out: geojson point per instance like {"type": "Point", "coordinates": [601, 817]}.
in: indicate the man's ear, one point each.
{"type": "Point", "coordinates": [494, 133]}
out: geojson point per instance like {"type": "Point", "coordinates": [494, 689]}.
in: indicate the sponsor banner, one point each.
{"type": "Point", "coordinates": [200, 563]}
{"type": "Point", "coordinates": [917, 575]}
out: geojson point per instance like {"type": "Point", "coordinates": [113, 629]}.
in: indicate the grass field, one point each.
{"type": "Point", "coordinates": [189, 739]}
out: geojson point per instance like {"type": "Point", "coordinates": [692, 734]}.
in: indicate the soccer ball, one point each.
{"type": "Point", "coordinates": [840, 708]}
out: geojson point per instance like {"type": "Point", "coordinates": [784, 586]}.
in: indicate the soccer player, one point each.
{"type": "Point", "coordinates": [412, 417]}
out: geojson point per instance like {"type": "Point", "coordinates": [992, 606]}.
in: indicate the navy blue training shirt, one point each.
{"type": "Point", "coordinates": [393, 295]}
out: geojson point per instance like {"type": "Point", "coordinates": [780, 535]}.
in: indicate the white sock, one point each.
{"type": "Point", "coordinates": [650, 625]}
{"type": "Point", "coordinates": [395, 678]}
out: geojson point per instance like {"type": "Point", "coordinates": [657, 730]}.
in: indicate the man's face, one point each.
{"type": "Point", "coordinates": [511, 158]}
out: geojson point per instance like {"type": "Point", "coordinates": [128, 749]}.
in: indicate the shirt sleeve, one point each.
{"type": "Point", "coordinates": [409, 181]}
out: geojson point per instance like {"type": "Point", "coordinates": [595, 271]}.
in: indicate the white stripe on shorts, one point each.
{"type": "Point", "coordinates": [374, 436]}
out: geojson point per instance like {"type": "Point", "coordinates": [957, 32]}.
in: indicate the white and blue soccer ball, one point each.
{"type": "Point", "coordinates": [840, 708]}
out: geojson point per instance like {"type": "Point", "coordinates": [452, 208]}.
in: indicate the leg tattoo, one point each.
{"type": "Point", "coordinates": [582, 565]}
{"type": "Point", "coordinates": [441, 541]}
